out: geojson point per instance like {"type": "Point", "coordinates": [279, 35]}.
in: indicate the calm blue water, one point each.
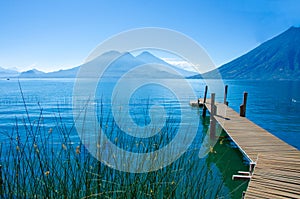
{"type": "Point", "coordinates": [274, 106]}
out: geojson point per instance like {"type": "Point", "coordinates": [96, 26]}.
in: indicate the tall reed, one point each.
{"type": "Point", "coordinates": [41, 162]}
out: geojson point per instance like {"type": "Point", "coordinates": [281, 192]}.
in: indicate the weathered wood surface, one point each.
{"type": "Point", "coordinates": [277, 170]}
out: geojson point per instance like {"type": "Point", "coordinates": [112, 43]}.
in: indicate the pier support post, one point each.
{"type": "Point", "coordinates": [251, 167]}
{"type": "Point", "coordinates": [204, 101]}
{"type": "Point", "coordinates": [225, 95]}
{"type": "Point", "coordinates": [243, 106]}
{"type": "Point", "coordinates": [212, 117]}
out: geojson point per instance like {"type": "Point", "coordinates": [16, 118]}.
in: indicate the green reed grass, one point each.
{"type": "Point", "coordinates": [41, 162]}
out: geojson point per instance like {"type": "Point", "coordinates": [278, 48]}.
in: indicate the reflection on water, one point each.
{"type": "Point", "coordinates": [272, 105]}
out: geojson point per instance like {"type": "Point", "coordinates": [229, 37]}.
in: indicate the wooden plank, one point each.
{"type": "Point", "coordinates": [277, 170]}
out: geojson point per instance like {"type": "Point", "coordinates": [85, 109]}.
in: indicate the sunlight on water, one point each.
{"type": "Point", "coordinates": [272, 105]}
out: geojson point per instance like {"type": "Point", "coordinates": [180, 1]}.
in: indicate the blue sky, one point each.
{"type": "Point", "coordinates": [54, 34]}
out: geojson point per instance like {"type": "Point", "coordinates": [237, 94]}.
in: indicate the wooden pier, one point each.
{"type": "Point", "coordinates": [276, 164]}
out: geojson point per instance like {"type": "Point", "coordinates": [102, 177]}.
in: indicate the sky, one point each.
{"type": "Point", "coordinates": [53, 34]}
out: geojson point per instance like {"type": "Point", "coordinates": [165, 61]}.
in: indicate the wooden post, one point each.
{"type": "Point", "coordinates": [213, 104]}
{"type": "Point", "coordinates": [204, 101]}
{"type": "Point", "coordinates": [225, 95]}
{"type": "Point", "coordinates": [243, 194]}
{"type": "Point", "coordinates": [243, 106]}
{"type": "Point", "coordinates": [251, 167]}
{"type": "Point", "coordinates": [212, 116]}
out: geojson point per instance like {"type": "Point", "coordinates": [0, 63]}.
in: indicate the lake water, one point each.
{"type": "Point", "coordinates": [274, 105]}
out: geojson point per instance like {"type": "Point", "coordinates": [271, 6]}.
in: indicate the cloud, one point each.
{"type": "Point", "coordinates": [180, 63]}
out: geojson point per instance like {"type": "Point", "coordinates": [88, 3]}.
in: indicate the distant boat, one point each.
{"type": "Point", "coordinates": [7, 79]}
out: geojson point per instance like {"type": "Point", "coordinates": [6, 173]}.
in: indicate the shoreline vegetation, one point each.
{"type": "Point", "coordinates": [37, 165]}
{"type": "Point", "coordinates": [41, 162]}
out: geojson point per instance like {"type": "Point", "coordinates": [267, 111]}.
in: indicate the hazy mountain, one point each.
{"type": "Point", "coordinates": [32, 74]}
{"type": "Point", "coordinates": [69, 73]}
{"type": "Point", "coordinates": [8, 73]}
{"type": "Point", "coordinates": [149, 58]}
{"type": "Point", "coordinates": [125, 62]}
{"type": "Point", "coordinates": [277, 58]}
{"type": "Point", "coordinates": [118, 67]}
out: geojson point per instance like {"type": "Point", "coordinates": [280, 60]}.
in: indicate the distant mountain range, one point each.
{"type": "Point", "coordinates": [6, 73]}
{"type": "Point", "coordinates": [69, 73]}
{"type": "Point", "coordinates": [275, 59]}
{"type": "Point", "coordinates": [121, 65]}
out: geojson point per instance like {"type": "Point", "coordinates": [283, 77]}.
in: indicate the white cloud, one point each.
{"type": "Point", "coordinates": [180, 63]}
